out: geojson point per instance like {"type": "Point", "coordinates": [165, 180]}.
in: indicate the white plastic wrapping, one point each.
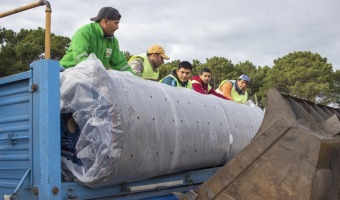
{"type": "Point", "coordinates": [133, 129]}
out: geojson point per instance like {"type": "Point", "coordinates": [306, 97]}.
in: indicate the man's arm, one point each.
{"type": "Point", "coordinates": [226, 89]}
{"type": "Point", "coordinates": [118, 60]}
{"type": "Point", "coordinates": [198, 87]}
{"type": "Point", "coordinates": [169, 81]}
{"type": "Point", "coordinates": [78, 50]}
{"type": "Point", "coordinates": [136, 65]}
{"type": "Point", "coordinates": [213, 92]}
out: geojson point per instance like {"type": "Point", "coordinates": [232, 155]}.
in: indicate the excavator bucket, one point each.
{"type": "Point", "coordinates": [294, 155]}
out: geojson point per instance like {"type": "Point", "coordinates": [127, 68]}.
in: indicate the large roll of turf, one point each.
{"type": "Point", "coordinates": [127, 128]}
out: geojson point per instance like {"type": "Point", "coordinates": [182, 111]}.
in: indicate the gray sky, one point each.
{"type": "Point", "coordinates": [239, 30]}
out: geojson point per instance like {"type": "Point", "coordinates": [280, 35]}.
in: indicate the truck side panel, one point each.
{"type": "Point", "coordinates": [30, 146]}
{"type": "Point", "coordinates": [15, 131]}
{"type": "Point", "coordinates": [29, 133]}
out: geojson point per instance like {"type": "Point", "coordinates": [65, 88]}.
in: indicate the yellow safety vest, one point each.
{"type": "Point", "coordinates": [148, 72]}
{"type": "Point", "coordinates": [235, 96]}
{"type": "Point", "coordinates": [189, 85]}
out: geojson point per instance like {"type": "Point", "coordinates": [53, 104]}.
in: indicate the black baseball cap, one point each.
{"type": "Point", "coordinates": [107, 12]}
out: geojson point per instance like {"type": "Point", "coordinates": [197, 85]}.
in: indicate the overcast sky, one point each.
{"type": "Point", "coordinates": [239, 30]}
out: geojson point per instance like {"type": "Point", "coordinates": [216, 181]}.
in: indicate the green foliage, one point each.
{"type": "Point", "coordinates": [196, 64]}
{"type": "Point", "coordinates": [165, 69]}
{"type": "Point", "coordinates": [246, 67]}
{"type": "Point", "coordinates": [335, 87]}
{"type": "Point", "coordinates": [305, 75]}
{"type": "Point", "coordinates": [59, 45]}
{"type": "Point", "coordinates": [127, 55]}
{"type": "Point", "coordinates": [258, 81]}
{"type": "Point", "coordinates": [7, 59]}
{"type": "Point", "coordinates": [302, 74]}
{"type": "Point", "coordinates": [6, 36]}
{"type": "Point", "coordinates": [221, 69]}
{"type": "Point", "coordinates": [27, 51]}
{"type": "Point", "coordinates": [18, 50]}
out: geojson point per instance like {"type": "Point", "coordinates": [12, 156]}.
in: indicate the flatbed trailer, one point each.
{"type": "Point", "coordinates": [294, 155]}
{"type": "Point", "coordinates": [30, 158]}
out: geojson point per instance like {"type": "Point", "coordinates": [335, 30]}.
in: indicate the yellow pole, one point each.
{"type": "Point", "coordinates": [48, 11]}
{"type": "Point", "coordinates": [22, 8]}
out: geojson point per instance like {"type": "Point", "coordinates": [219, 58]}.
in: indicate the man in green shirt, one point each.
{"type": "Point", "coordinates": [98, 38]}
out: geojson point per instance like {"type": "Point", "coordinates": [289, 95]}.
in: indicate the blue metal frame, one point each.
{"type": "Point", "coordinates": [186, 181]}
{"type": "Point", "coordinates": [46, 172]}
{"type": "Point", "coordinates": [15, 134]}
{"type": "Point", "coordinates": [38, 175]}
{"type": "Point", "coordinates": [30, 133]}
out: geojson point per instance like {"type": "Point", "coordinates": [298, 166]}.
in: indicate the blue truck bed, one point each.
{"type": "Point", "coordinates": [30, 163]}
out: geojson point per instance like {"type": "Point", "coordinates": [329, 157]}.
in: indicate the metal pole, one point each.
{"type": "Point", "coordinates": [22, 8]}
{"type": "Point", "coordinates": [48, 11]}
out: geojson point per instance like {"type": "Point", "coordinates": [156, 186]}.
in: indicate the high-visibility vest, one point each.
{"type": "Point", "coordinates": [235, 96]}
{"type": "Point", "coordinates": [148, 72]}
{"type": "Point", "coordinates": [189, 85]}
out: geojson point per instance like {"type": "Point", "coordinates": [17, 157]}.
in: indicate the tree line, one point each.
{"type": "Point", "coordinates": [302, 74]}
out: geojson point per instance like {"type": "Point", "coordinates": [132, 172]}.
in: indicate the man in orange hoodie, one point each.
{"type": "Point", "coordinates": [235, 90]}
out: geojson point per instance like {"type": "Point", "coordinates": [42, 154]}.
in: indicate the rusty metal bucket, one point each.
{"type": "Point", "coordinates": [295, 155]}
